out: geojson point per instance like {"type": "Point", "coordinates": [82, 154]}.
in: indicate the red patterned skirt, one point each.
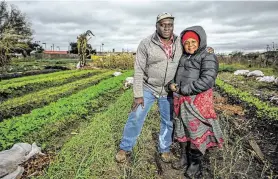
{"type": "Point", "coordinates": [196, 121]}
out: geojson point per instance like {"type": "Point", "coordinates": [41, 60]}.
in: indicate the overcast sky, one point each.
{"type": "Point", "coordinates": [230, 26]}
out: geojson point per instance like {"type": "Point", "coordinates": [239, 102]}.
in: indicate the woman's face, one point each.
{"type": "Point", "coordinates": [191, 45]}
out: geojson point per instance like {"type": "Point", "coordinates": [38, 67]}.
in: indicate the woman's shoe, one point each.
{"type": "Point", "coordinates": [195, 164]}
{"type": "Point", "coordinates": [182, 162]}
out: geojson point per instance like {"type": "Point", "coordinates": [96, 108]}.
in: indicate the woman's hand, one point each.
{"type": "Point", "coordinates": [174, 87]}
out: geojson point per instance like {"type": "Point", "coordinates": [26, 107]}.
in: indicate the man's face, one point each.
{"type": "Point", "coordinates": [191, 45]}
{"type": "Point", "coordinates": [165, 28]}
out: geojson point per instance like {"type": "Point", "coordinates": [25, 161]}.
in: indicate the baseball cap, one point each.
{"type": "Point", "coordinates": [164, 15]}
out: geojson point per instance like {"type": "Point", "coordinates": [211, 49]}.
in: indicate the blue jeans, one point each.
{"type": "Point", "coordinates": [136, 120]}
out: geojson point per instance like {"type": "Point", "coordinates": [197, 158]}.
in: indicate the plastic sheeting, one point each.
{"type": "Point", "coordinates": [10, 159]}
{"type": "Point", "coordinates": [268, 79]}
{"type": "Point", "coordinates": [128, 81]}
{"type": "Point", "coordinates": [241, 72]}
{"type": "Point", "coordinates": [117, 73]}
{"type": "Point", "coordinates": [256, 73]}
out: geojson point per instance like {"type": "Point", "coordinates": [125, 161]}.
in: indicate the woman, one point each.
{"type": "Point", "coordinates": [195, 119]}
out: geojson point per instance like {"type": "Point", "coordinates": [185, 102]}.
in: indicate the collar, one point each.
{"type": "Point", "coordinates": [171, 39]}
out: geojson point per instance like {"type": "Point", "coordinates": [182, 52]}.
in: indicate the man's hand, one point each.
{"type": "Point", "coordinates": [210, 50]}
{"type": "Point", "coordinates": [137, 102]}
{"type": "Point", "coordinates": [174, 87]}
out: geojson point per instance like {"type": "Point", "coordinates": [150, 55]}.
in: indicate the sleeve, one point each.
{"type": "Point", "coordinates": [139, 69]}
{"type": "Point", "coordinates": [206, 80]}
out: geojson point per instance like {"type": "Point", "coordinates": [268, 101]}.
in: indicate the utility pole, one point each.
{"type": "Point", "coordinates": [53, 46]}
{"type": "Point", "coordinates": [267, 48]}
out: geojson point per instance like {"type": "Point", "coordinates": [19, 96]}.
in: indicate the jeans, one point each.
{"type": "Point", "coordinates": [136, 120]}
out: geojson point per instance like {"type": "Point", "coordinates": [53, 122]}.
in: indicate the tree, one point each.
{"type": "Point", "coordinates": [15, 32]}
{"type": "Point", "coordinates": [82, 47]}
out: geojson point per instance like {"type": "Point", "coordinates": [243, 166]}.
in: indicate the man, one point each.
{"type": "Point", "coordinates": [156, 62]}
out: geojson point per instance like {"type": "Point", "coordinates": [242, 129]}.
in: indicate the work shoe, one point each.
{"type": "Point", "coordinates": [195, 164]}
{"type": "Point", "coordinates": [182, 162]}
{"type": "Point", "coordinates": [166, 157]}
{"type": "Point", "coordinates": [121, 156]}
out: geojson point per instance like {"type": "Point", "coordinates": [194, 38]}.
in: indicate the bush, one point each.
{"type": "Point", "coordinates": [227, 68]}
{"type": "Point", "coordinates": [123, 61]}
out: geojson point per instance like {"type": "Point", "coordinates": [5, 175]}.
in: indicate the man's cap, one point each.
{"type": "Point", "coordinates": [164, 15]}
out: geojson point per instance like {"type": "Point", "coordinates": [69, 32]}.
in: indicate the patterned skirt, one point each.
{"type": "Point", "coordinates": [196, 121]}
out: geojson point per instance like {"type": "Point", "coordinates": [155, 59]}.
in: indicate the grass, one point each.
{"type": "Point", "coordinates": [89, 156]}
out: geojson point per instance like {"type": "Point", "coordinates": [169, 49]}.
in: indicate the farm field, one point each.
{"type": "Point", "coordinates": [66, 89]}
{"type": "Point", "coordinates": [77, 117]}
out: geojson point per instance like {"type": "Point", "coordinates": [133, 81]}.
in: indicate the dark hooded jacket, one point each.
{"type": "Point", "coordinates": [197, 72]}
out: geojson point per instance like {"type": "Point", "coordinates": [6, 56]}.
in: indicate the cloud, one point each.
{"type": "Point", "coordinates": [230, 26]}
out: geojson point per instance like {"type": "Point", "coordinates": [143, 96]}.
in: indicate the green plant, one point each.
{"type": "Point", "coordinates": [26, 103]}
{"type": "Point", "coordinates": [17, 87]}
{"type": "Point", "coordinates": [13, 129]}
{"type": "Point", "coordinates": [263, 108]}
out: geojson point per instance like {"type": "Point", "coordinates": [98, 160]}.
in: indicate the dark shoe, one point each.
{"type": "Point", "coordinates": [182, 162]}
{"type": "Point", "coordinates": [195, 164]}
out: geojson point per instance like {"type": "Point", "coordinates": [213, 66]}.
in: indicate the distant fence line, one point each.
{"type": "Point", "coordinates": [75, 56]}
{"type": "Point", "coordinates": [268, 59]}
{"type": "Point", "coordinates": [55, 56]}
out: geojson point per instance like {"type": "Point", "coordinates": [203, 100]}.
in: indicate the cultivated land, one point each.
{"type": "Point", "coordinates": [77, 117]}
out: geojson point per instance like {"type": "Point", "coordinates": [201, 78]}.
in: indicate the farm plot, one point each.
{"type": "Point", "coordinates": [80, 133]}
{"type": "Point", "coordinates": [72, 107]}
{"type": "Point", "coordinates": [24, 104]}
{"type": "Point", "coordinates": [90, 154]}
{"type": "Point", "coordinates": [262, 118]}
{"type": "Point", "coordinates": [6, 76]}
{"type": "Point", "coordinates": [19, 86]}
{"type": "Point", "coordinates": [267, 92]}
